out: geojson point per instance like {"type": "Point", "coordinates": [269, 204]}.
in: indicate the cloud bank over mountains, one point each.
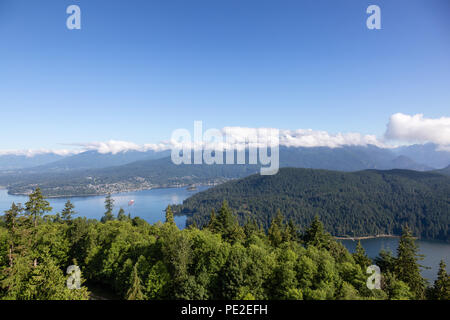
{"type": "Point", "coordinates": [311, 138]}
{"type": "Point", "coordinates": [117, 146]}
{"type": "Point", "coordinates": [418, 129]}
{"type": "Point", "coordinates": [401, 129]}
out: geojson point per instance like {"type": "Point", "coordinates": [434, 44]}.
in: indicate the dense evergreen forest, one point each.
{"type": "Point", "coordinates": [364, 203]}
{"type": "Point", "coordinates": [223, 260]}
{"type": "Point", "coordinates": [445, 171]}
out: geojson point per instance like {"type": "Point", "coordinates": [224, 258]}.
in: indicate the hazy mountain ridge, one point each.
{"type": "Point", "coordinates": [69, 176]}
{"type": "Point", "coordinates": [349, 158]}
{"type": "Point", "coordinates": [428, 154]}
{"type": "Point", "coordinates": [15, 162]}
{"type": "Point", "coordinates": [94, 160]}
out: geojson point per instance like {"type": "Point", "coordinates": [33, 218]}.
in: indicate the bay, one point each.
{"type": "Point", "coordinates": [148, 204]}
{"type": "Point", "coordinates": [434, 252]}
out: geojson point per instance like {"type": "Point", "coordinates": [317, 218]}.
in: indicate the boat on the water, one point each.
{"type": "Point", "coordinates": [191, 188]}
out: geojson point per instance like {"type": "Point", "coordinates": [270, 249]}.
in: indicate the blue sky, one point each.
{"type": "Point", "coordinates": [139, 69]}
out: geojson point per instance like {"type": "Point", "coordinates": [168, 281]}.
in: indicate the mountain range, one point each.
{"type": "Point", "coordinates": [416, 157]}
{"type": "Point", "coordinates": [92, 173]}
{"type": "Point", "coordinates": [21, 161]}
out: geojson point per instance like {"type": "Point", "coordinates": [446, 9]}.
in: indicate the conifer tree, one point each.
{"type": "Point", "coordinates": [121, 216]}
{"type": "Point", "coordinates": [37, 206]}
{"type": "Point", "coordinates": [441, 289]}
{"type": "Point", "coordinates": [315, 234]}
{"type": "Point", "coordinates": [212, 224]}
{"type": "Point", "coordinates": [135, 291]}
{"type": "Point", "coordinates": [251, 227]}
{"type": "Point", "coordinates": [11, 217]}
{"type": "Point", "coordinates": [169, 216]}
{"type": "Point", "coordinates": [407, 268]}
{"type": "Point", "coordinates": [109, 206]}
{"type": "Point", "coordinates": [228, 225]}
{"type": "Point", "coordinates": [361, 257]}
{"type": "Point", "coordinates": [68, 212]}
{"type": "Point", "coordinates": [291, 231]}
{"type": "Point", "coordinates": [225, 218]}
{"type": "Point", "coordinates": [275, 232]}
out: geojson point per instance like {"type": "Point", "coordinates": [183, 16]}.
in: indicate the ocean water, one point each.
{"type": "Point", "coordinates": [434, 252]}
{"type": "Point", "coordinates": [148, 204]}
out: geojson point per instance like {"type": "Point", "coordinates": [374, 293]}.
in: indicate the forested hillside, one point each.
{"type": "Point", "coordinates": [445, 171]}
{"type": "Point", "coordinates": [138, 261]}
{"type": "Point", "coordinates": [350, 204]}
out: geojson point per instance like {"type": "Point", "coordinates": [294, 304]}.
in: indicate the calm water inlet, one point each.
{"type": "Point", "coordinates": [148, 204]}
{"type": "Point", "coordinates": [434, 252]}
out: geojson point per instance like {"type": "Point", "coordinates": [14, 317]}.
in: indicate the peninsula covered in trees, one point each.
{"type": "Point", "coordinates": [222, 260]}
{"type": "Point", "coordinates": [350, 204]}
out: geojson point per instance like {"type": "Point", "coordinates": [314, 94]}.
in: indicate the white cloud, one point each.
{"type": "Point", "coordinates": [418, 129]}
{"type": "Point", "coordinates": [117, 146]}
{"type": "Point", "coordinates": [31, 153]}
{"type": "Point", "coordinates": [112, 146]}
{"type": "Point", "coordinates": [401, 127]}
{"type": "Point", "coordinates": [297, 138]}
{"type": "Point", "coordinates": [311, 138]}
{"type": "Point", "coordinates": [289, 138]}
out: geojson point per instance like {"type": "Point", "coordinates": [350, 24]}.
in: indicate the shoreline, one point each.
{"type": "Point", "coordinates": [366, 237]}
{"type": "Point", "coordinates": [112, 193]}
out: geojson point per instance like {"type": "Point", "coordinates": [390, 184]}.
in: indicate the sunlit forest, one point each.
{"type": "Point", "coordinates": [224, 260]}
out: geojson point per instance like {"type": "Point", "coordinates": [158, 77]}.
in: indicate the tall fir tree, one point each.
{"type": "Point", "coordinates": [11, 217]}
{"type": "Point", "coordinates": [276, 230]}
{"type": "Point", "coordinates": [68, 212]}
{"type": "Point", "coordinates": [36, 206]}
{"type": "Point", "coordinates": [407, 268]}
{"type": "Point", "coordinates": [361, 257]}
{"type": "Point", "coordinates": [136, 288]}
{"type": "Point", "coordinates": [227, 224]}
{"type": "Point", "coordinates": [315, 234]}
{"type": "Point", "coordinates": [291, 231]}
{"type": "Point", "coordinates": [109, 207]}
{"type": "Point", "coordinates": [441, 288]}
{"type": "Point", "coordinates": [212, 224]}
{"type": "Point", "coordinates": [11, 222]}
{"type": "Point", "coordinates": [251, 227]}
{"type": "Point", "coordinates": [169, 216]}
